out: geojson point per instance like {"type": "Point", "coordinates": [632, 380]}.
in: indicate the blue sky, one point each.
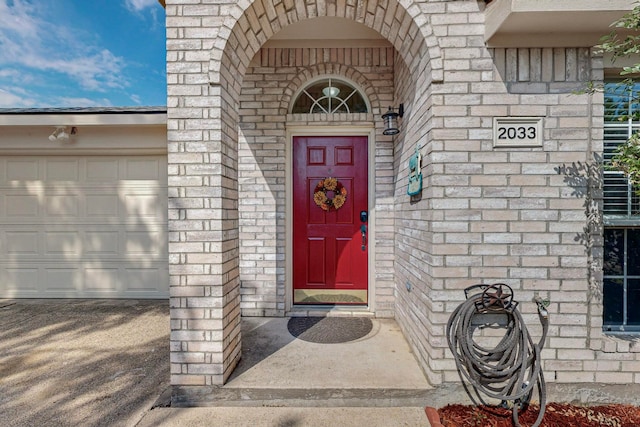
{"type": "Point", "coordinates": [82, 53]}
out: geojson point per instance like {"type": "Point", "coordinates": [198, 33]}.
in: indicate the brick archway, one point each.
{"type": "Point", "coordinates": [246, 30]}
{"type": "Point", "coordinates": [210, 47]}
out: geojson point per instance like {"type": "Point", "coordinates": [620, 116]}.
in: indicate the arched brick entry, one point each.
{"type": "Point", "coordinates": [203, 140]}
{"type": "Point", "coordinates": [402, 23]}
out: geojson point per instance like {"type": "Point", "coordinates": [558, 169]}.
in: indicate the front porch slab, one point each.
{"type": "Point", "coordinates": [278, 368]}
{"type": "Point", "coordinates": [273, 358]}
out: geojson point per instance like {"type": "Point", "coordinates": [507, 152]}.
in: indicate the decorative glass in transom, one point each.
{"type": "Point", "coordinates": [328, 96]}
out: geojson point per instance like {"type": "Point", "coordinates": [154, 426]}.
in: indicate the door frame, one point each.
{"type": "Point", "coordinates": [293, 131]}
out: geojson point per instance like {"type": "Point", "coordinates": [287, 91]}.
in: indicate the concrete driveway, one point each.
{"type": "Point", "coordinates": [82, 363]}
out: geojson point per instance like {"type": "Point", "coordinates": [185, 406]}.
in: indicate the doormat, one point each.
{"type": "Point", "coordinates": [329, 330]}
{"type": "Point", "coordinates": [305, 296]}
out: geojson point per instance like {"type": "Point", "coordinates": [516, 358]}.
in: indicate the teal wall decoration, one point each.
{"type": "Point", "coordinates": [415, 174]}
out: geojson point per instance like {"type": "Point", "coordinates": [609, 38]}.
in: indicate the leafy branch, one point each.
{"type": "Point", "coordinates": [624, 42]}
{"type": "Point", "coordinates": [626, 159]}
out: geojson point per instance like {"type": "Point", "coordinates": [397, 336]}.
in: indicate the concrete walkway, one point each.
{"type": "Point", "coordinates": [286, 381]}
{"type": "Point", "coordinates": [106, 363]}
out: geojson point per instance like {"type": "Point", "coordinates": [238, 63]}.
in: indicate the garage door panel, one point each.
{"type": "Point", "coordinates": [101, 170]}
{"type": "Point", "coordinates": [98, 279]}
{"type": "Point", "coordinates": [62, 170]}
{"type": "Point", "coordinates": [142, 279]}
{"type": "Point", "coordinates": [84, 204]}
{"type": "Point", "coordinates": [65, 243]}
{"type": "Point", "coordinates": [101, 243]}
{"type": "Point", "coordinates": [144, 169]}
{"type": "Point", "coordinates": [63, 206]}
{"type": "Point", "coordinates": [20, 281]}
{"type": "Point", "coordinates": [102, 205]}
{"type": "Point", "coordinates": [58, 242]}
{"type": "Point", "coordinates": [20, 243]}
{"type": "Point", "coordinates": [145, 243]}
{"type": "Point", "coordinates": [22, 205]}
{"type": "Point", "coordinates": [62, 279]}
{"type": "Point", "coordinates": [21, 169]}
{"type": "Point", "coordinates": [142, 205]}
{"type": "Point", "coordinates": [101, 279]}
{"type": "Point", "coordinates": [93, 169]}
{"type": "Point", "coordinates": [84, 227]}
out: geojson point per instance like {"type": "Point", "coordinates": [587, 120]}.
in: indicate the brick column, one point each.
{"type": "Point", "coordinates": [203, 212]}
{"type": "Point", "coordinates": [203, 251]}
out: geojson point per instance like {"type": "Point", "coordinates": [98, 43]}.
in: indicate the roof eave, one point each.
{"type": "Point", "coordinates": [551, 23]}
{"type": "Point", "coordinates": [83, 117]}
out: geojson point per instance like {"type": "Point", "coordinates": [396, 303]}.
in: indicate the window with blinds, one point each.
{"type": "Point", "coordinates": [621, 120]}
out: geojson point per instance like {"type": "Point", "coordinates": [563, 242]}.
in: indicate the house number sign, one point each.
{"type": "Point", "coordinates": [517, 131]}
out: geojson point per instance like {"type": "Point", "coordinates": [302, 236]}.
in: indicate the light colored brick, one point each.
{"type": "Point", "coordinates": [614, 377]}
{"type": "Point", "coordinates": [485, 212]}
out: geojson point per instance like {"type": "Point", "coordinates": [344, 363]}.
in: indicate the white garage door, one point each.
{"type": "Point", "coordinates": [83, 227]}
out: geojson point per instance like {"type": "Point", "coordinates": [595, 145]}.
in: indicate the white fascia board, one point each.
{"type": "Point", "coordinates": [125, 119]}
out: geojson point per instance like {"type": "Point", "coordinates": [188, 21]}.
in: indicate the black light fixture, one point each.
{"type": "Point", "coordinates": [390, 119]}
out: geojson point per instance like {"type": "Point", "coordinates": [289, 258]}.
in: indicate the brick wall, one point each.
{"type": "Point", "coordinates": [486, 214]}
{"type": "Point", "coordinates": [517, 216]}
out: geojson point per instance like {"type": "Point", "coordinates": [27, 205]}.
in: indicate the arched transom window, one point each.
{"type": "Point", "coordinates": [330, 95]}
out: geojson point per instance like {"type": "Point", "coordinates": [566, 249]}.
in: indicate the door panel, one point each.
{"type": "Point", "coordinates": [329, 258]}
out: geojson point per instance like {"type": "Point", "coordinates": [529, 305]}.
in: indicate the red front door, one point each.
{"type": "Point", "coordinates": [329, 252]}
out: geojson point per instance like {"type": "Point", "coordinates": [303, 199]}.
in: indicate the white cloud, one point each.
{"type": "Point", "coordinates": [28, 39]}
{"type": "Point", "coordinates": [98, 72]}
{"type": "Point", "coordinates": [16, 97]}
{"type": "Point", "coordinates": [15, 100]}
{"type": "Point", "coordinates": [17, 76]}
{"type": "Point", "coordinates": [18, 18]}
{"type": "Point", "coordinates": [9, 73]}
{"type": "Point", "coordinates": [138, 5]}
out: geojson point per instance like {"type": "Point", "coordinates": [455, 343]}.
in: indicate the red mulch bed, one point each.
{"type": "Point", "coordinates": [556, 415]}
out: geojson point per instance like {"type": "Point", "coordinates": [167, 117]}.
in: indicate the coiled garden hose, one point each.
{"type": "Point", "coordinates": [510, 370]}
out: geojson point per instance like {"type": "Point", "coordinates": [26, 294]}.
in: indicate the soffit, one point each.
{"type": "Point", "coordinates": [326, 32]}
{"type": "Point", "coordinates": [551, 23]}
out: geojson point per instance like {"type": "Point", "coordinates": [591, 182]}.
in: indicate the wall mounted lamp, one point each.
{"type": "Point", "coordinates": [390, 119]}
{"type": "Point", "coordinates": [62, 134]}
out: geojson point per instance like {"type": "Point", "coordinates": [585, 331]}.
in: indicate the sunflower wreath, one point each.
{"type": "Point", "coordinates": [325, 202]}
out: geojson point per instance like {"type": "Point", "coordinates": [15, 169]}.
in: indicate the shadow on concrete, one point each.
{"type": "Point", "coordinates": [261, 337]}
{"type": "Point", "coordinates": [76, 362]}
